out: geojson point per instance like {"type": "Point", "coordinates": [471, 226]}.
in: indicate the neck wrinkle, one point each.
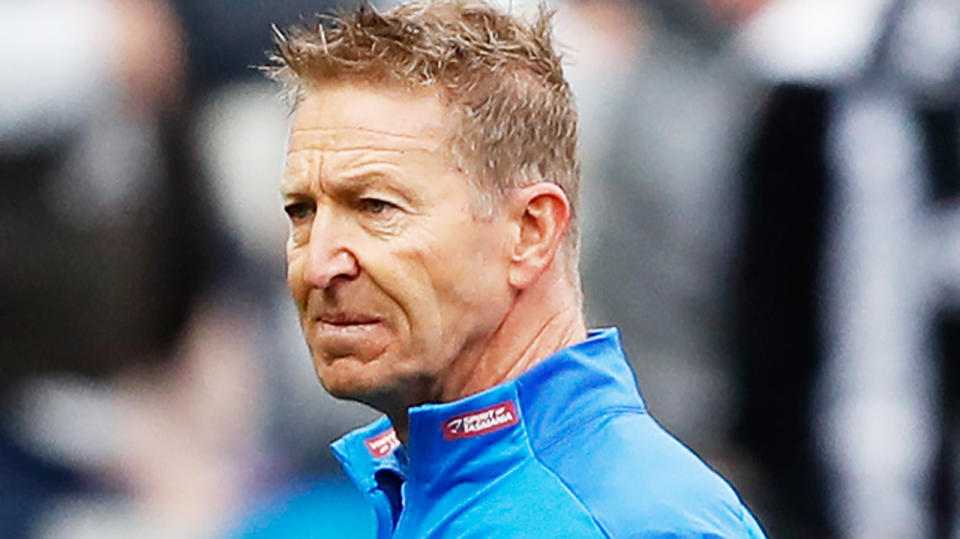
{"type": "Point", "coordinates": [544, 318]}
{"type": "Point", "coordinates": [560, 330]}
{"type": "Point", "coordinates": [538, 325]}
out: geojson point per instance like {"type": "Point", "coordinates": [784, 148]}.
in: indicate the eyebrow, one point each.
{"type": "Point", "coordinates": [356, 183]}
{"type": "Point", "coordinates": [293, 184]}
{"type": "Point", "coordinates": [289, 187]}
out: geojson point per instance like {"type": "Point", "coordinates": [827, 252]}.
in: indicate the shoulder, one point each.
{"type": "Point", "coordinates": [638, 481]}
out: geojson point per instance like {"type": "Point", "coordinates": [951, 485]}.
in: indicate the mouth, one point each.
{"type": "Point", "coordinates": [347, 334]}
{"type": "Point", "coordinates": [345, 323]}
{"type": "Point", "coordinates": [346, 319]}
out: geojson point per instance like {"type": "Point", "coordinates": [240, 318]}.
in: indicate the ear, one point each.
{"type": "Point", "coordinates": [542, 214]}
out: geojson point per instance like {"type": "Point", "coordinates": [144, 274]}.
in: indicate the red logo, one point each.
{"type": "Point", "coordinates": [496, 417]}
{"type": "Point", "coordinates": [382, 444]}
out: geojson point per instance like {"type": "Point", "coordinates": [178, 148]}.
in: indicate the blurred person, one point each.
{"type": "Point", "coordinates": [225, 40]}
{"type": "Point", "coordinates": [96, 51]}
{"type": "Point", "coordinates": [847, 315]}
{"type": "Point", "coordinates": [124, 405]}
{"type": "Point", "coordinates": [662, 209]}
{"type": "Point", "coordinates": [431, 185]}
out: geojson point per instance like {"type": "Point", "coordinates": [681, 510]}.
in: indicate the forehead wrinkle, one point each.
{"type": "Point", "coordinates": [304, 172]}
{"type": "Point", "coordinates": [322, 148]}
{"type": "Point", "coordinates": [362, 138]}
{"type": "Point", "coordinates": [414, 136]}
{"type": "Point", "coordinates": [316, 170]}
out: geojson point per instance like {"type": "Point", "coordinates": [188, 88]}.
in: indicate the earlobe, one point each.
{"type": "Point", "coordinates": [543, 214]}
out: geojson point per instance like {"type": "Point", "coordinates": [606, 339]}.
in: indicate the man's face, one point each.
{"type": "Point", "coordinates": [393, 274]}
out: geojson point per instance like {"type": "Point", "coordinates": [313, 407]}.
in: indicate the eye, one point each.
{"type": "Point", "coordinates": [298, 211]}
{"type": "Point", "coordinates": [374, 205]}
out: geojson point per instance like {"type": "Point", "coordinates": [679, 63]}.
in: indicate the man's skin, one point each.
{"type": "Point", "coordinates": [408, 292]}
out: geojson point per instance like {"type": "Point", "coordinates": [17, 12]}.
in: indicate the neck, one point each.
{"type": "Point", "coordinates": [543, 319]}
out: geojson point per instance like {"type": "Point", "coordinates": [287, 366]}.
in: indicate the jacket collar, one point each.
{"type": "Point", "coordinates": [489, 432]}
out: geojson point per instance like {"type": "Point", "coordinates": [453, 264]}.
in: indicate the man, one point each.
{"type": "Point", "coordinates": [431, 185]}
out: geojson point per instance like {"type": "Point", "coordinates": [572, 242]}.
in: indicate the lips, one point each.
{"type": "Point", "coordinates": [342, 334]}
{"type": "Point", "coordinates": [346, 319]}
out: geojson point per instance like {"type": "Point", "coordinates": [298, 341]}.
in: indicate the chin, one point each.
{"type": "Point", "coordinates": [347, 392]}
{"type": "Point", "coordinates": [371, 383]}
{"type": "Point", "coordinates": [349, 378]}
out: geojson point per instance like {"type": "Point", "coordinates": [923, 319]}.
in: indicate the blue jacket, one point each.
{"type": "Point", "coordinates": [565, 450]}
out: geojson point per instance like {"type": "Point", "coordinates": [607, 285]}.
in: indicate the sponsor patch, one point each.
{"type": "Point", "coordinates": [489, 419]}
{"type": "Point", "coordinates": [382, 444]}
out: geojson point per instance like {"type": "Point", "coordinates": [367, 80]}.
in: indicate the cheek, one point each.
{"type": "Point", "coordinates": [400, 270]}
{"type": "Point", "coordinates": [468, 273]}
{"type": "Point", "coordinates": [295, 283]}
{"type": "Point", "coordinates": [401, 274]}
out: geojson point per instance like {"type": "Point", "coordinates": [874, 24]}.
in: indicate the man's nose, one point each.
{"type": "Point", "coordinates": [329, 258]}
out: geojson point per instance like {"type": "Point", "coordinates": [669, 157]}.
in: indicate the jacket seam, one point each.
{"type": "Point", "coordinates": [577, 425]}
{"type": "Point", "coordinates": [566, 486]}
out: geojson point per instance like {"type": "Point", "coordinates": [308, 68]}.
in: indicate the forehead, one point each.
{"type": "Point", "coordinates": [348, 116]}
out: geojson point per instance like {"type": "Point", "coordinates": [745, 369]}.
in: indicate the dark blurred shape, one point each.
{"type": "Point", "coordinates": [844, 311]}
{"type": "Point", "coordinates": [35, 481]}
{"type": "Point", "coordinates": [696, 20]}
{"type": "Point", "coordinates": [107, 237]}
{"type": "Point", "coordinates": [777, 326]}
{"type": "Point", "coordinates": [227, 38]}
{"type": "Point", "coordinates": [946, 487]}
{"type": "Point", "coordinates": [90, 299]}
{"type": "Point", "coordinates": [942, 136]}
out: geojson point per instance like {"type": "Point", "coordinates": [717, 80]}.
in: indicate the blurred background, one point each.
{"type": "Point", "coordinates": [772, 217]}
